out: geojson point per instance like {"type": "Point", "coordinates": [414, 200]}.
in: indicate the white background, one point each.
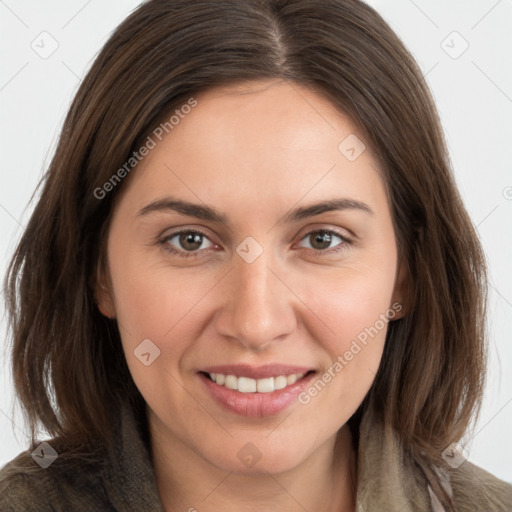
{"type": "Point", "coordinates": [473, 93]}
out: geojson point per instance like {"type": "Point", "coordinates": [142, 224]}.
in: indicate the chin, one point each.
{"type": "Point", "coordinates": [258, 457]}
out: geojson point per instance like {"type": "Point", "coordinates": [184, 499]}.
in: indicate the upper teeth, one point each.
{"type": "Point", "coordinates": [247, 385]}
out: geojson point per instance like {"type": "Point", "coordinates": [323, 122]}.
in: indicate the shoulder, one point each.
{"type": "Point", "coordinates": [26, 484]}
{"type": "Point", "coordinates": [23, 486]}
{"type": "Point", "coordinates": [474, 488]}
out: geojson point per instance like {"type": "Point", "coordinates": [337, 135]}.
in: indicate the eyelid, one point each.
{"type": "Point", "coordinates": [199, 231]}
{"type": "Point", "coordinates": [349, 236]}
{"type": "Point", "coordinates": [336, 231]}
{"type": "Point", "coordinates": [169, 233]}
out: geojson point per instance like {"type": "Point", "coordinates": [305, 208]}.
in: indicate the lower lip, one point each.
{"type": "Point", "coordinates": [256, 405]}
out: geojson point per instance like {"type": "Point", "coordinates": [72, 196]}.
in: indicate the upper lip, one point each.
{"type": "Point", "coordinates": [256, 372]}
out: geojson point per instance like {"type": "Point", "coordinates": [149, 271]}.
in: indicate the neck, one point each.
{"type": "Point", "coordinates": [325, 480]}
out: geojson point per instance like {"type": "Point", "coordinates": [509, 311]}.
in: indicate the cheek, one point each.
{"type": "Point", "coordinates": [351, 305]}
{"type": "Point", "coordinates": [150, 299]}
{"type": "Point", "coordinates": [166, 306]}
{"type": "Point", "coordinates": [152, 304]}
{"type": "Point", "coordinates": [349, 320]}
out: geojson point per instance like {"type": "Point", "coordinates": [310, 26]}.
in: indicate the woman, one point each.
{"type": "Point", "coordinates": [250, 281]}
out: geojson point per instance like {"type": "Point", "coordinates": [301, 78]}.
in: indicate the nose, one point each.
{"type": "Point", "coordinates": [259, 309]}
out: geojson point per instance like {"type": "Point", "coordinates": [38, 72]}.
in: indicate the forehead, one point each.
{"type": "Point", "coordinates": [267, 113]}
{"type": "Point", "coordinates": [268, 137]}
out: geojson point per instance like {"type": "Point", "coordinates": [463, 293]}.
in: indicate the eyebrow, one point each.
{"type": "Point", "coordinates": [208, 213]}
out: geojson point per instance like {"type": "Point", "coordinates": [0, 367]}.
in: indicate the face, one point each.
{"type": "Point", "coordinates": [269, 291]}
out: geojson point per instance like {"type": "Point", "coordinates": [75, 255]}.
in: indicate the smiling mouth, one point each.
{"type": "Point", "coordinates": [249, 385]}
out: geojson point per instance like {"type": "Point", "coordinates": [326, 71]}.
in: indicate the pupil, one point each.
{"type": "Point", "coordinates": [324, 239]}
{"type": "Point", "coordinates": [191, 238]}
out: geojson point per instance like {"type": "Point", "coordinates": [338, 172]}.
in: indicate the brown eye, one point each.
{"type": "Point", "coordinates": [188, 243]}
{"type": "Point", "coordinates": [321, 240]}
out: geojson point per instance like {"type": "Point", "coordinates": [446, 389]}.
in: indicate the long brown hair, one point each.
{"type": "Point", "coordinates": [67, 359]}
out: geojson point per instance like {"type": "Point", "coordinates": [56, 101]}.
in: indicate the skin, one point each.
{"type": "Point", "coordinates": [254, 153]}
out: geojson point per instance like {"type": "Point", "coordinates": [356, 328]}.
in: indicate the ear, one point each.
{"type": "Point", "coordinates": [402, 293]}
{"type": "Point", "coordinates": [103, 293]}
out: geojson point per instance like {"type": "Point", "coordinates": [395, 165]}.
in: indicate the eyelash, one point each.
{"type": "Point", "coordinates": [194, 254]}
